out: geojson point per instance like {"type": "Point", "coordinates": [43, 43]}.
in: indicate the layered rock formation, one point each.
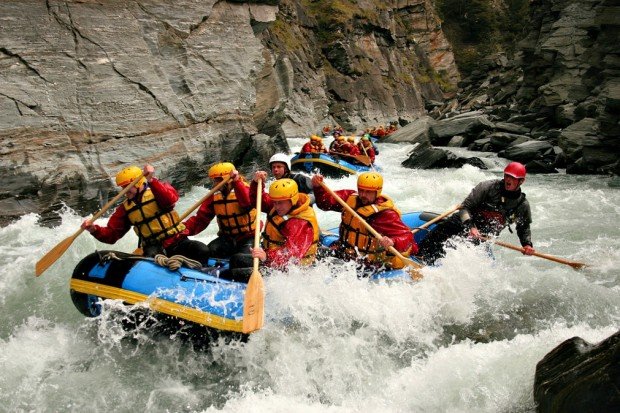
{"type": "Point", "coordinates": [88, 87]}
{"type": "Point", "coordinates": [556, 104]}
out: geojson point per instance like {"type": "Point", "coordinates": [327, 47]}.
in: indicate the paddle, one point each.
{"type": "Point", "coordinates": [413, 266]}
{"type": "Point", "coordinates": [574, 264]}
{"type": "Point", "coordinates": [56, 252]}
{"type": "Point", "coordinates": [204, 198]}
{"type": "Point", "coordinates": [366, 153]}
{"type": "Point", "coordinates": [437, 218]}
{"type": "Point", "coordinates": [254, 301]}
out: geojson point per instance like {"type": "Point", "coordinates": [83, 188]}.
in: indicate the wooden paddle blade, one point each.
{"type": "Point", "coordinates": [55, 253]}
{"type": "Point", "coordinates": [254, 303]}
{"type": "Point", "coordinates": [413, 268]}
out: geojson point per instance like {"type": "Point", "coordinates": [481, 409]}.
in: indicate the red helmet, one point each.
{"type": "Point", "coordinates": [515, 169]}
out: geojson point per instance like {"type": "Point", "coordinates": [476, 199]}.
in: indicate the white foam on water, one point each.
{"type": "Point", "coordinates": [464, 339]}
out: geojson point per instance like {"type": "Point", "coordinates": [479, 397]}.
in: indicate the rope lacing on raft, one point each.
{"type": "Point", "coordinates": [176, 261]}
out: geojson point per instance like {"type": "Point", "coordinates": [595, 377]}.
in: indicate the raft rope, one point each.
{"type": "Point", "coordinates": [173, 263]}
{"type": "Point", "coordinates": [176, 261]}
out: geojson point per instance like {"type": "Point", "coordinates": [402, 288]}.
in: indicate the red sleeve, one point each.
{"type": "Point", "coordinates": [371, 154]}
{"type": "Point", "coordinates": [164, 193]}
{"type": "Point", "coordinates": [197, 223]}
{"type": "Point", "coordinates": [242, 192]}
{"type": "Point", "coordinates": [299, 237]}
{"type": "Point", "coordinates": [354, 150]}
{"type": "Point", "coordinates": [389, 223]}
{"type": "Point", "coordinates": [326, 202]}
{"type": "Point", "coordinates": [118, 225]}
{"type": "Point", "coordinates": [306, 148]}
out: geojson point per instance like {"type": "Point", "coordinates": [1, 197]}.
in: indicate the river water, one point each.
{"type": "Point", "coordinates": [465, 339]}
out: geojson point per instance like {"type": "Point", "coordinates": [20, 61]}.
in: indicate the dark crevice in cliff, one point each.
{"type": "Point", "coordinates": [167, 26]}
{"type": "Point", "coordinates": [76, 32]}
{"type": "Point", "coordinates": [194, 27]}
{"type": "Point", "coordinates": [24, 62]}
{"type": "Point", "coordinates": [35, 108]}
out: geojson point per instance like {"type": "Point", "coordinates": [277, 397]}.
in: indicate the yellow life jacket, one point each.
{"type": "Point", "coordinates": [150, 222]}
{"type": "Point", "coordinates": [232, 219]}
{"type": "Point", "coordinates": [357, 240]}
{"type": "Point", "coordinates": [273, 238]}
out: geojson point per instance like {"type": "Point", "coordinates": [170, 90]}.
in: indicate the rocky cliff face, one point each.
{"type": "Point", "coordinates": [571, 78]}
{"type": "Point", "coordinates": [554, 104]}
{"type": "Point", "coordinates": [88, 87]}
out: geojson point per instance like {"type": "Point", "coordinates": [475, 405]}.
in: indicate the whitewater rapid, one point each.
{"type": "Point", "coordinates": [465, 339]}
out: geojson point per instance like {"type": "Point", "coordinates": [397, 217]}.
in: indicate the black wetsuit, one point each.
{"type": "Point", "coordinates": [488, 207]}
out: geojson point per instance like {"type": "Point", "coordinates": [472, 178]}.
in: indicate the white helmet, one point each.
{"type": "Point", "coordinates": [281, 157]}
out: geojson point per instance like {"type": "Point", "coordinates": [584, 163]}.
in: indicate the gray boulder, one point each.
{"type": "Point", "coordinates": [578, 377]}
{"type": "Point", "coordinates": [442, 131]}
{"type": "Point", "coordinates": [528, 151]}
{"type": "Point", "coordinates": [416, 131]}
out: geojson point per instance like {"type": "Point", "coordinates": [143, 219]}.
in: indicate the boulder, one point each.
{"type": "Point", "coordinates": [436, 158]}
{"type": "Point", "coordinates": [577, 376]}
{"type": "Point", "coordinates": [540, 167]}
{"type": "Point", "coordinates": [528, 151]}
{"type": "Point", "coordinates": [416, 131]}
{"type": "Point", "coordinates": [503, 140]}
{"type": "Point", "coordinates": [442, 131]}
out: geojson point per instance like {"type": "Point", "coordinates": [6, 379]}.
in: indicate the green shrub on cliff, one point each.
{"type": "Point", "coordinates": [334, 17]}
{"type": "Point", "coordinates": [476, 28]}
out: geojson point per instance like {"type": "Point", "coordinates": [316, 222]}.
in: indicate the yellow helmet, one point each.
{"type": "Point", "coordinates": [340, 138]}
{"type": "Point", "coordinates": [316, 138]}
{"type": "Point", "coordinates": [370, 181]}
{"type": "Point", "coordinates": [125, 176]}
{"type": "Point", "coordinates": [220, 170]}
{"type": "Point", "coordinates": [351, 138]}
{"type": "Point", "coordinates": [284, 189]}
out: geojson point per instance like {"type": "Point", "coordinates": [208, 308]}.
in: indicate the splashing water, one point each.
{"type": "Point", "coordinates": [465, 339]}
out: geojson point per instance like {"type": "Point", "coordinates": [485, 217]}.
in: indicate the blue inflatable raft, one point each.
{"type": "Point", "coordinates": [198, 296]}
{"type": "Point", "coordinates": [412, 220]}
{"type": "Point", "coordinates": [329, 164]}
{"type": "Point", "coordinates": [193, 295]}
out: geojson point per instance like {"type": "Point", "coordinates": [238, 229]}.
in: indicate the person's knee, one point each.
{"type": "Point", "coordinates": [241, 260]}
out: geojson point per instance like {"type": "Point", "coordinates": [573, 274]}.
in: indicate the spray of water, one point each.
{"type": "Point", "coordinates": [465, 339]}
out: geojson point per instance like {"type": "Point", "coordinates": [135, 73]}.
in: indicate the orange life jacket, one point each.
{"type": "Point", "coordinates": [357, 240]}
{"type": "Point", "coordinates": [232, 219]}
{"type": "Point", "coordinates": [150, 222]}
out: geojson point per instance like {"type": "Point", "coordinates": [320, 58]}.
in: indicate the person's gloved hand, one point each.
{"type": "Point", "coordinates": [88, 225]}
{"type": "Point", "coordinates": [528, 250]}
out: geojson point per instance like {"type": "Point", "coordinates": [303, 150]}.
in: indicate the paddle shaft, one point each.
{"type": "Point", "coordinates": [366, 153]}
{"type": "Point", "coordinates": [437, 218]}
{"type": "Point", "coordinates": [259, 201]}
{"type": "Point", "coordinates": [574, 264]}
{"type": "Point", "coordinates": [254, 300]}
{"type": "Point", "coordinates": [204, 198]}
{"type": "Point", "coordinates": [60, 248]}
{"type": "Point", "coordinates": [346, 206]}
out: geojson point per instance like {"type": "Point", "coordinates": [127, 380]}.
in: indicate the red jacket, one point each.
{"type": "Point", "coordinates": [386, 222]}
{"type": "Point", "coordinates": [369, 151]}
{"type": "Point", "coordinates": [309, 148]}
{"type": "Point", "coordinates": [197, 223]}
{"type": "Point", "coordinates": [298, 232]}
{"type": "Point", "coordinates": [118, 224]}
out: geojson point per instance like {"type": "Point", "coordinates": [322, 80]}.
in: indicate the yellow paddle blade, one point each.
{"type": "Point", "coordinates": [55, 253]}
{"type": "Point", "coordinates": [413, 268]}
{"type": "Point", "coordinates": [254, 303]}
